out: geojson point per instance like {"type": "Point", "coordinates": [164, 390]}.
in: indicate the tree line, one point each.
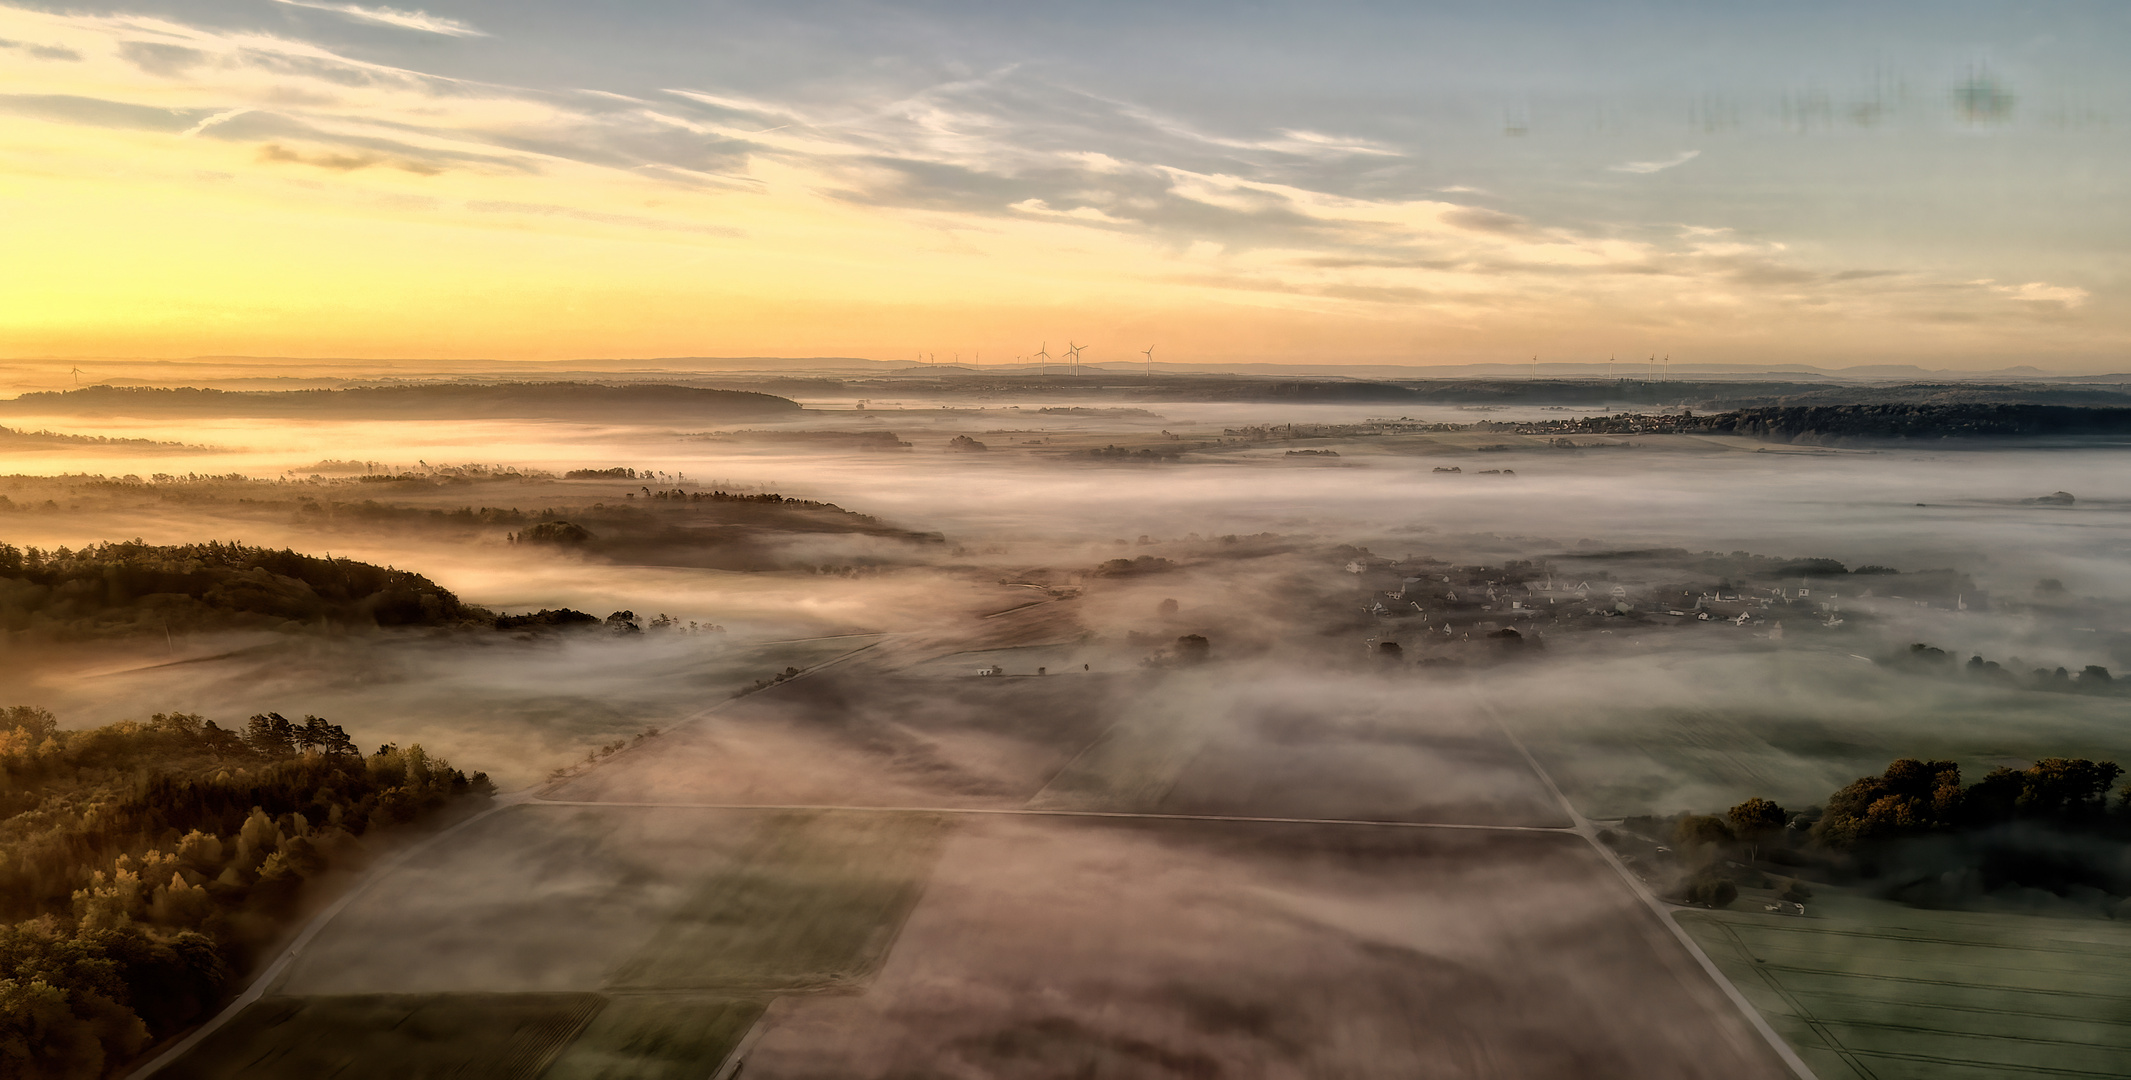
{"type": "Point", "coordinates": [2060, 826]}
{"type": "Point", "coordinates": [131, 587]}
{"type": "Point", "coordinates": [143, 863]}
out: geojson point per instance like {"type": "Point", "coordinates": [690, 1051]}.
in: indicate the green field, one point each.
{"type": "Point", "coordinates": [1792, 726]}
{"type": "Point", "coordinates": [464, 1036]}
{"type": "Point", "coordinates": [733, 907]}
{"type": "Point", "coordinates": [657, 1037]}
{"type": "Point", "coordinates": [1877, 991]}
{"type": "Point", "coordinates": [475, 1037]}
{"type": "Point", "coordinates": [812, 902]}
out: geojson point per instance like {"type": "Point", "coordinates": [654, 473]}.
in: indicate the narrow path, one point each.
{"type": "Point", "coordinates": [1662, 910]}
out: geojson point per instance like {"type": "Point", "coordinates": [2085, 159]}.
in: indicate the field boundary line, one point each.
{"type": "Point", "coordinates": [532, 790]}
{"type": "Point", "coordinates": [1642, 892]}
{"type": "Point", "coordinates": [1860, 999]}
{"type": "Point", "coordinates": [1020, 607]}
{"type": "Point", "coordinates": [1799, 1011]}
{"type": "Point", "coordinates": [2012, 1070]}
{"type": "Point", "coordinates": [1020, 811]}
{"type": "Point", "coordinates": [2087, 951]}
{"type": "Point", "coordinates": [730, 1067]}
{"type": "Point", "coordinates": [1914, 980]}
{"type": "Point", "coordinates": [1068, 766]}
{"type": "Point", "coordinates": [1887, 1025]}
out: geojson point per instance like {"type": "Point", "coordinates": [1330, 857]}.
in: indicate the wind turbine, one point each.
{"type": "Point", "coordinates": [1148, 352]}
{"type": "Point", "coordinates": [1073, 351]}
{"type": "Point", "coordinates": [77, 373]}
{"type": "Point", "coordinates": [1043, 356]}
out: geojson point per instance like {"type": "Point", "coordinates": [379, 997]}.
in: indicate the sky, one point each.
{"type": "Point", "coordinates": [1936, 183]}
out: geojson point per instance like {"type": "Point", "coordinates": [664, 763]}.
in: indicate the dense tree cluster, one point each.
{"type": "Point", "coordinates": [369, 511]}
{"type": "Point", "coordinates": [15, 437]}
{"type": "Point", "coordinates": [2057, 826]}
{"type": "Point", "coordinates": [717, 529]}
{"type": "Point", "coordinates": [112, 589]}
{"type": "Point", "coordinates": [1809, 423]}
{"type": "Point", "coordinates": [1931, 660]}
{"type": "Point", "coordinates": [873, 440]}
{"type": "Point", "coordinates": [1126, 453]}
{"type": "Point", "coordinates": [1145, 564]}
{"type": "Point", "coordinates": [546, 619]}
{"type": "Point", "coordinates": [1914, 798]}
{"type": "Point", "coordinates": [555, 534]}
{"type": "Point", "coordinates": [144, 861]}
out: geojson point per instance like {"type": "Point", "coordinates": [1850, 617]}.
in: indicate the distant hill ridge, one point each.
{"type": "Point", "coordinates": [560, 400]}
{"type": "Point", "coordinates": [1822, 422]}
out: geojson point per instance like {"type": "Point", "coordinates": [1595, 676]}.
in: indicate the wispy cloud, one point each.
{"type": "Point", "coordinates": [384, 16]}
{"type": "Point", "coordinates": [2042, 294]}
{"type": "Point", "coordinates": [341, 162]}
{"type": "Point", "coordinates": [1681, 158]}
{"type": "Point", "coordinates": [1297, 143]}
{"type": "Point", "coordinates": [1025, 171]}
{"type": "Point", "coordinates": [218, 118]}
{"type": "Point", "coordinates": [41, 52]}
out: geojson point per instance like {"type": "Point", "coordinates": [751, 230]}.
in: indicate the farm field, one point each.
{"type": "Point", "coordinates": [657, 934]}
{"type": "Point", "coordinates": [1049, 947]}
{"type": "Point", "coordinates": [657, 1037]}
{"type": "Point", "coordinates": [813, 902]}
{"type": "Point", "coordinates": [867, 739]}
{"type": "Point", "coordinates": [943, 923]}
{"type": "Point", "coordinates": [1217, 740]}
{"type": "Point", "coordinates": [566, 898]}
{"type": "Point", "coordinates": [462, 1036]}
{"type": "Point", "coordinates": [1362, 751]}
{"type": "Point", "coordinates": [1872, 990]}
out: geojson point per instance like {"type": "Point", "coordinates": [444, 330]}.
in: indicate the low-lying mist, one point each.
{"type": "Point", "coordinates": [1021, 641]}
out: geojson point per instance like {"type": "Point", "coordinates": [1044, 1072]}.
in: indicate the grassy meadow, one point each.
{"type": "Point", "coordinates": [1865, 989]}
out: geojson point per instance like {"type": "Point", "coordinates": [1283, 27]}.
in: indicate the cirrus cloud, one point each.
{"type": "Point", "coordinates": [1647, 167]}
{"type": "Point", "coordinates": [384, 16]}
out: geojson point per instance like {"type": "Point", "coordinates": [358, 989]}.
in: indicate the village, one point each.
{"type": "Point", "coordinates": [1419, 603]}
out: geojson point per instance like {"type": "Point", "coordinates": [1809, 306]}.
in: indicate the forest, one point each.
{"type": "Point", "coordinates": [717, 529]}
{"type": "Point", "coordinates": [1917, 834]}
{"type": "Point", "coordinates": [116, 589]}
{"type": "Point", "coordinates": [144, 864]}
{"type": "Point", "coordinates": [1917, 421]}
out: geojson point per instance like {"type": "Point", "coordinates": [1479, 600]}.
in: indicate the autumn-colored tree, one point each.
{"type": "Point", "coordinates": [1910, 798]}
{"type": "Point", "coordinates": [156, 848]}
{"type": "Point", "coordinates": [270, 734]}
{"type": "Point", "coordinates": [1755, 821]}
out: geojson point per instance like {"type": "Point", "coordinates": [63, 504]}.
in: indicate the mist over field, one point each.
{"type": "Point", "coordinates": [989, 735]}
{"type": "Point", "coordinates": [561, 541]}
